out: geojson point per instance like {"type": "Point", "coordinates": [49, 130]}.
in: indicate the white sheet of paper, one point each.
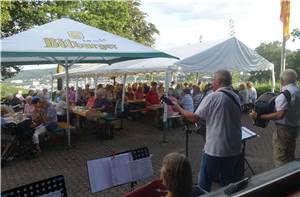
{"type": "Point", "coordinates": [100, 174]}
{"type": "Point", "coordinates": [141, 168]}
{"type": "Point", "coordinates": [120, 171]}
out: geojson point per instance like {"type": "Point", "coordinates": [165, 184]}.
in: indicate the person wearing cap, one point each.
{"type": "Point", "coordinates": [45, 119]}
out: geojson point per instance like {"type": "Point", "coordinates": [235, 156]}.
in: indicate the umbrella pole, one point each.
{"type": "Point", "coordinates": [68, 103]}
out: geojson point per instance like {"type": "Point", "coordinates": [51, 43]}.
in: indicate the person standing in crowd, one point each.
{"type": "Point", "coordinates": [130, 94]}
{"type": "Point", "coordinates": [72, 96]}
{"type": "Point", "coordinates": [146, 88]}
{"type": "Point", "coordinates": [19, 95]}
{"type": "Point", "coordinates": [30, 93]}
{"type": "Point", "coordinates": [174, 100]}
{"type": "Point", "coordinates": [28, 108]}
{"type": "Point", "coordinates": [61, 108]}
{"type": "Point", "coordinates": [101, 103]}
{"type": "Point", "coordinates": [152, 97]}
{"type": "Point", "coordinates": [287, 119]}
{"type": "Point", "coordinates": [139, 95]}
{"type": "Point", "coordinates": [86, 92]}
{"type": "Point", "coordinates": [243, 93]}
{"type": "Point", "coordinates": [91, 100]}
{"type": "Point", "coordinates": [221, 112]}
{"type": "Point", "coordinates": [252, 94]}
{"type": "Point", "coordinates": [160, 89]}
{"type": "Point", "coordinates": [46, 94]}
{"type": "Point", "coordinates": [186, 100]}
{"type": "Point", "coordinates": [197, 96]}
{"type": "Point", "coordinates": [178, 90]}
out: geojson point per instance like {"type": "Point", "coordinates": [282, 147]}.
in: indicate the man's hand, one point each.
{"type": "Point", "coordinates": [253, 115]}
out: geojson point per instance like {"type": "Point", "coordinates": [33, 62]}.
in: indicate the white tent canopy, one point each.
{"type": "Point", "coordinates": [206, 57]}
{"type": "Point", "coordinates": [137, 66]}
{"type": "Point", "coordinates": [67, 42]}
{"type": "Point", "coordinates": [230, 54]}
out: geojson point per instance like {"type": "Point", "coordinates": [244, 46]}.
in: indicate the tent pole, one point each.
{"type": "Point", "coordinates": [76, 86]}
{"type": "Point", "coordinates": [123, 92]}
{"type": "Point", "coordinates": [95, 83]}
{"type": "Point", "coordinates": [66, 65]}
{"type": "Point", "coordinates": [165, 115]}
{"type": "Point", "coordinates": [273, 79]}
{"type": "Point", "coordinates": [51, 94]}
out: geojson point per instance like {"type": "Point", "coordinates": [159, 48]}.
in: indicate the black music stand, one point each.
{"type": "Point", "coordinates": [54, 186]}
{"type": "Point", "coordinates": [246, 135]}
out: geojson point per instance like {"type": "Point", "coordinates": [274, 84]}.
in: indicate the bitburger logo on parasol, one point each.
{"type": "Point", "coordinates": [71, 43]}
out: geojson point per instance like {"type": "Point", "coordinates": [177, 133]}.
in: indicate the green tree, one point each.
{"type": "Point", "coordinates": [296, 34]}
{"type": "Point", "coordinates": [272, 52]}
{"type": "Point", "coordinates": [123, 18]}
{"type": "Point", "coordinates": [293, 61]}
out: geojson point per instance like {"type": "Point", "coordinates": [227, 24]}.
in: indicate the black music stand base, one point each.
{"type": "Point", "coordinates": [248, 166]}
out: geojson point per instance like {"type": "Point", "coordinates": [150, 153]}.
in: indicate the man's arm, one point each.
{"type": "Point", "coordinates": [190, 116]}
{"type": "Point", "coordinates": [272, 116]}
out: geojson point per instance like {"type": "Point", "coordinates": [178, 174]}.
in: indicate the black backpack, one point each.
{"type": "Point", "coordinates": [265, 104]}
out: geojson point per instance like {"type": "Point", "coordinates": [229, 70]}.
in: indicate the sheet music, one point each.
{"type": "Point", "coordinates": [100, 174]}
{"type": "Point", "coordinates": [141, 168]}
{"type": "Point", "coordinates": [116, 170]}
{"type": "Point", "coordinates": [120, 171]}
{"type": "Point", "coordinates": [246, 133]}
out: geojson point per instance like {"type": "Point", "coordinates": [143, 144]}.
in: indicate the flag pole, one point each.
{"type": "Point", "coordinates": [285, 18]}
{"type": "Point", "coordinates": [283, 54]}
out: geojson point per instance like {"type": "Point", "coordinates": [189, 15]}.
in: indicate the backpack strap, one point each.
{"type": "Point", "coordinates": [287, 95]}
{"type": "Point", "coordinates": [232, 98]}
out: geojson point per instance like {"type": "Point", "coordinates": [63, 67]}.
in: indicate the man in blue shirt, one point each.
{"type": "Point", "coordinates": [101, 103]}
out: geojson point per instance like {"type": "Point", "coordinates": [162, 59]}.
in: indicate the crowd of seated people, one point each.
{"type": "Point", "coordinates": [41, 114]}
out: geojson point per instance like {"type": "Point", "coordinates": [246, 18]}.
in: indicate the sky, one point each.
{"type": "Point", "coordinates": [183, 21]}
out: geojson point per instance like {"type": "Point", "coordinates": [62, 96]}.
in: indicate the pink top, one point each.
{"type": "Point", "coordinates": [28, 109]}
{"type": "Point", "coordinates": [90, 102]}
{"type": "Point", "coordinates": [170, 108]}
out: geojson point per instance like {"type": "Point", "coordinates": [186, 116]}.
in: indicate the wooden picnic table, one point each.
{"type": "Point", "coordinates": [15, 118]}
{"type": "Point", "coordinates": [155, 107]}
{"type": "Point", "coordinates": [80, 111]}
{"type": "Point", "coordinates": [136, 101]}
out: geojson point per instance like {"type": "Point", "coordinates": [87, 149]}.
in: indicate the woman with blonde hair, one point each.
{"type": "Point", "coordinates": [176, 175]}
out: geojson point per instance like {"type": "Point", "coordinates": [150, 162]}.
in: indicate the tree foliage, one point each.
{"type": "Point", "coordinates": [272, 52]}
{"type": "Point", "coordinates": [296, 34]}
{"type": "Point", "coordinates": [123, 18]}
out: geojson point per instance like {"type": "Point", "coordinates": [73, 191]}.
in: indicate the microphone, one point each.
{"type": "Point", "coordinates": [235, 187]}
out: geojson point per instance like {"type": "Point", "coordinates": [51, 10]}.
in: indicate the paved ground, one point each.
{"type": "Point", "coordinates": [87, 145]}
